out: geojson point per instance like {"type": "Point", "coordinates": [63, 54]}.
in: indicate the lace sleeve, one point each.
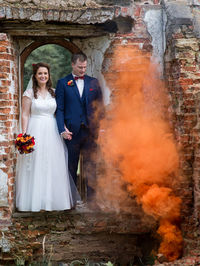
{"type": "Point", "coordinates": [28, 93]}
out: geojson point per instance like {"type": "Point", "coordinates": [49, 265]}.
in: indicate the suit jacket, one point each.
{"type": "Point", "coordinates": [70, 105]}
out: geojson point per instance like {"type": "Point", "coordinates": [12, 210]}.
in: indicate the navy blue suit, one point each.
{"type": "Point", "coordinates": [77, 114]}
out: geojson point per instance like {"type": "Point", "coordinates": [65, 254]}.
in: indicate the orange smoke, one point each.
{"type": "Point", "coordinates": [140, 155]}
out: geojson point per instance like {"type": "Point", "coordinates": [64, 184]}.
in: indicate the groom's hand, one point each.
{"type": "Point", "coordinates": [67, 134]}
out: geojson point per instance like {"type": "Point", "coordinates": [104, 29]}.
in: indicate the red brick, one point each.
{"type": "Point", "coordinates": [7, 57]}
{"type": "Point", "coordinates": [11, 180]}
{"type": "Point", "coordinates": [3, 117]}
{"type": "Point", "coordinates": [4, 63]}
{"type": "Point", "coordinates": [4, 75]}
{"type": "Point", "coordinates": [5, 110]}
{"type": "Point", "coordinates": [5, 82]}
{"type": "Point", "coordinates": [178, 35]}
{"type": "Point", "coordinates": [10, 188]}
{"type": "Point", "coordinates": [137, 11]}
{"type": "Point", "coordinates": [3, 37]}
{"type": "Point", "coordinates": [5, 43]}
{"type": "Point", "coordinates": [3, 49]}
{"type": "Point", "coordinates": [3, 89]}
{"type": "Point", "coordinates": [4, 69]}
{"type": "Point", "coordinates": [5, 103]}
{"type": "Point", "coordinates": [185, 87]}
{"type": "Point", "coordinates": [11, 195]}
{"type": "Point", "coordinates": [189, 68]}
{"type": "Point", "coordinates": [5, 96]}
{"type": "Point", "coordinates": [8, 123]}
{"type": "Point", "coordinates": [7, 150]}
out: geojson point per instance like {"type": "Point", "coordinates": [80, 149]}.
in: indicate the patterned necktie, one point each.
{"type": "Point", "coordinates": [82, 77]}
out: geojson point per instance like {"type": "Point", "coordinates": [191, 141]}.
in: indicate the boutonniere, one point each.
{"type": "Point", "coordinates": [70, 83]}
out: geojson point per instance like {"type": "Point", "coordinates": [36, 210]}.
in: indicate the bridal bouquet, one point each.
{"type": "Point", "coordinates": [24, 143]}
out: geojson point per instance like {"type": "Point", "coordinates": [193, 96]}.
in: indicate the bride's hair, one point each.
{"type": "Point", "coordinates": [35, 83]}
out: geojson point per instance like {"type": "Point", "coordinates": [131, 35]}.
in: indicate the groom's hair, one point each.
{"type": "Point", "coordinates": [81, 56]}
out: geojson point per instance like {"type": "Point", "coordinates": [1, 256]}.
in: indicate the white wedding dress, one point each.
{"type": "Point", "coordinates": [42, 181]}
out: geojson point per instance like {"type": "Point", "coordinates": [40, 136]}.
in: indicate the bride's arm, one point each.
{"type": "Point", "coordinates": [26, 110]}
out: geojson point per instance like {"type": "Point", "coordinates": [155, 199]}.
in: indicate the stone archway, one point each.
{"type": "Point", "coordinates": [35, 44]}
{"type": "Point", "coordinates": [23, 57]}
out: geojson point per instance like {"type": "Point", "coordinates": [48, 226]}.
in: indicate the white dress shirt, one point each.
{"type": "Point", "coordinates": [80, 85]}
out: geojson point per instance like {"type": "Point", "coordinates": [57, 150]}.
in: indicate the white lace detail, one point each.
{"type": "Point", "coordinates": [29, 93]}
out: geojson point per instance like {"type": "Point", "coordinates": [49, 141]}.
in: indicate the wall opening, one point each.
{"type": "Point", "coordinates": [56, 53]}
{"type": "Point", "coordinates": [70, 47]}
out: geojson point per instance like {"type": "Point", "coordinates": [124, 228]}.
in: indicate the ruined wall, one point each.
{"type": "Point", "coordinates": [9, 115]}
{"type": "Point", "coordinates": [182, 76]}
{"type": "Point", "coordinates": [169, 31]}
{"type": "Point", "coordinates": [64, 4]}
{"type": "Point", "coordinates": [66, 232]}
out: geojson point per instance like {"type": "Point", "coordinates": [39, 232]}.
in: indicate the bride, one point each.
{"type": "Point", "coordinates": [42, 181]}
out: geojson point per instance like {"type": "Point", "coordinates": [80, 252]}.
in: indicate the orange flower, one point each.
{"type": "Point", "coordinates": [24, 143]}
{"type": "Point", "coordinates": [70, 83]}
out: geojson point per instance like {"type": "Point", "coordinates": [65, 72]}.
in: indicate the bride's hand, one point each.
{"type": "Point", "coordinates": [67, 134]}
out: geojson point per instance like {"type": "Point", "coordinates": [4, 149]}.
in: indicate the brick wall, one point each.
{"type": "Point", "coordinates": [182, 70]}
{"type": "Point", "coordinates": [183, 78]}
{"type": "Point", "coordinates": [22, 237]}
{"type": "Point", "coordinates": [182, 74]}
{"type": "Point", "coordinates": [68, 235]}
{"type": "Point", "coordinates": [9, 116]}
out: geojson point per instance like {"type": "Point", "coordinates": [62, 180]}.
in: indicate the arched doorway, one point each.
{"type": "Point", "coordinates": [23, 57]}
{"type": "Point", "coordinates": [35, 44]}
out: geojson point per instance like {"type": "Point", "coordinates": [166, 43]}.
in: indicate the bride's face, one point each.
{"type": "Point", "coordinates": [42, 75]}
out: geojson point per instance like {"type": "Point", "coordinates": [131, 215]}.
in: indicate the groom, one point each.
{"type": "Point", "coordinates": [79, 108]}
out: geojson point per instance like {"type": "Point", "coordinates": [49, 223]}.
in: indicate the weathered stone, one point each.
{"type": "Point", "coordinates": [8, 12]}
{"type": "Point", "coordinates": [196, 2]}
{"type": "Point", "coordinates": [48, 15]}
{"type": "Point", "coordinates": [63, 16]}
{"type": "Point", "coordinates": [22, 14]}
{"type": "Point", "coordinates": [56, 15]}
{"type": "Point", "coordinates": [93, 16]}
{"type": "Point", "coordinates": [68, 232]}
{"type": "Point", "coordinates": [197, 23]}
{"type": "Point", "coordinates": [178, 12]}
{"type": "Point", "coordinates": [49, 4]}
{"type": "Point", "coordinates": [188, 43]}
{"type": "Point", "coordinates": [156, 29]}
{"type": "Point", "coordinates": [15, 13]}
{"type": "Point", "coordinates": [91, 3]}
{"type": "Point", "coordinates": [36, 2]}
{"type": "Point", "coordinates": [31, 19]}
{"type": "Point", "coordinates": [13, 1]}
{"type": "Point", "coordinates": [26, 1]}
{"type": "Point", "coordinates": [81, 16]}
{"type": "Point", "coordinates": [3, 189]}
{"type": "Point", "coordinates": [37, 16]}
{"type": "Point", "coordinates": [2, 12]}
{"type": "Point", "coordinates": [114, 2]}
{"type": "Point", "coordinates": [5, 244]}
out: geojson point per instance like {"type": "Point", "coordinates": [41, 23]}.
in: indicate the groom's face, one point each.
{"type": "Point", "coordinates": [79, 68]}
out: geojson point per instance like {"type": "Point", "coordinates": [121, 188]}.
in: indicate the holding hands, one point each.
{"type": "Point", "coordinates": [67, 134]}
